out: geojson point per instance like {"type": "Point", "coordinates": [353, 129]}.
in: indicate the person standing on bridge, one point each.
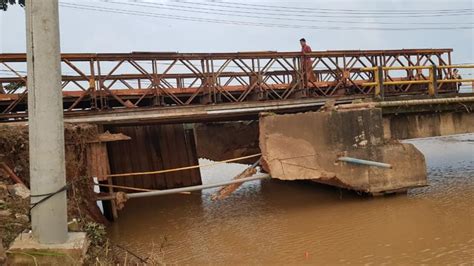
{"type": "Point", "coordinates": [307, 62]}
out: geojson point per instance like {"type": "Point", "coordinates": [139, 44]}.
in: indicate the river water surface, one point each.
{"type": "Point", "coordinates": [281, 222]}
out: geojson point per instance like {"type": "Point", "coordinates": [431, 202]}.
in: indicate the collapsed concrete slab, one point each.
{"type": "Point", "coordinates": [308, 145]}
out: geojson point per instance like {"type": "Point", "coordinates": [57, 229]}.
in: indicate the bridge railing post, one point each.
{"type": "Point", "coordinates": [433, 85]}
{"type": "Point", "coordinates": [93, 85]}
{"type": "Point", "coordinates": [300, 76]}
{"type": "Point", "coordinates": [379, 88]}
{"type": "Point", "coordinates": [206, 96]}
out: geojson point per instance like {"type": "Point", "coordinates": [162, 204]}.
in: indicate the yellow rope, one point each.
{"type": "Point", "coordinates": [185, 168]}
{"type": "Point", "coordinates": [133, 188]}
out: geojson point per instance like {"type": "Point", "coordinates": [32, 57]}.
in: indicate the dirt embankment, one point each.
{"type": "Point", "coordinates": [14, 153]}
{"type": "Point", "coordinates": [83, 213]}
{"type": "Point", "coordinates": [14, 210]}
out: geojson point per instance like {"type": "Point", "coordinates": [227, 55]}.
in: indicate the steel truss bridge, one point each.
{"type": "Point", "coordinates": [108, 82]}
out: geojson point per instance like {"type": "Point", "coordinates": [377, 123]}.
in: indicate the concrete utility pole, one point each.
{"type": "Point", "coordinates": [45, 118]}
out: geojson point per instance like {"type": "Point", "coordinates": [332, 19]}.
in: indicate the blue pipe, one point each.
{"type": "Point", "coordinates": [364, 162]}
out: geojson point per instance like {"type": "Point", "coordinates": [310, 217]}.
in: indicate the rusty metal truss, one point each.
{"type": "Point", "coordinates": [141, 79]}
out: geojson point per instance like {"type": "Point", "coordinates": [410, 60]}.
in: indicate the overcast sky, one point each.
{"type": "Point", "coordinates": [268, 25]}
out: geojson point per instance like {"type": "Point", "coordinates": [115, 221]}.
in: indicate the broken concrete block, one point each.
{"type": "Point", "coordinates": [308, 145]}
{"type": "Point", "coordinates": [19, 190]}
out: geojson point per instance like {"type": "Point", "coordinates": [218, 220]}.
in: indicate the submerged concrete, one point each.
{"type": "Point", "coordinates": [307, 146]}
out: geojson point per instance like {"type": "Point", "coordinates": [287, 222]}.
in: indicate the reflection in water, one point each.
{"type": "Point", "coordinates": [274, 221]}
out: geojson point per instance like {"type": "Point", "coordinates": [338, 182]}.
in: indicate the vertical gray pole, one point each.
{"type": "Point", "coordinates": [45, 120]}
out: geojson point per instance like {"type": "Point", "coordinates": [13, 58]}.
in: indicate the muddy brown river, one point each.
{"type": "Point", "coordinates": [280, 222]}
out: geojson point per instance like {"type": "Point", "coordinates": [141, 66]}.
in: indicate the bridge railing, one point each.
{"type": "Point", "coordinates": [109, 81]}
{"type": "Point", "coordinates": [382, 81]}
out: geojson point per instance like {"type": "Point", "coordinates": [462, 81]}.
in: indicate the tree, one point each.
{"type": "Point", "coordinates": [4, 3]}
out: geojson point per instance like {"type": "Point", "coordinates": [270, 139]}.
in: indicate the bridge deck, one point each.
{"type": "Point", "coordinates": [251, 110]}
